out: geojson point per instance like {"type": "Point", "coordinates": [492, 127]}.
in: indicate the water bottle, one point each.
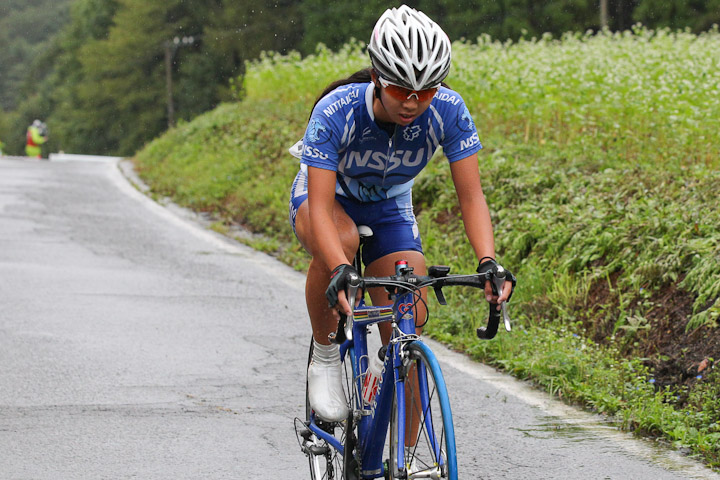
{"type": "Point", "coordinates": [373, 376]}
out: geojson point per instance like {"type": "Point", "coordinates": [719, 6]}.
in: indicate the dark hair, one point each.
{"type": "Point", "coordinates": [361, 76]}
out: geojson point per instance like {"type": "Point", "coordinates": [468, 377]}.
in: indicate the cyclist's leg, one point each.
{"type": "Point", "coordinates": [431, 452]}
{"type": "Point", "coordinates": [318, 276]}
{"type": "Point", "coordinates": [324, 373]}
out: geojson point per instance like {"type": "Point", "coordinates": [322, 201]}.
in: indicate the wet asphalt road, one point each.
{"type": "Point", "coordinates": [134, 343]}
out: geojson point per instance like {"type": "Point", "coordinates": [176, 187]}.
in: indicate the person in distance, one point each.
{"type": "Point", "coordinates": [36, 136]}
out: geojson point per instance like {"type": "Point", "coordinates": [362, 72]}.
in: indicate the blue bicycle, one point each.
{"type": "Point", "coordinates": [403, 427]}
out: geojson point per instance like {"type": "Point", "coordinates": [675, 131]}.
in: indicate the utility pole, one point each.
{"type": "Point", "coordinates": [603, 14]}
{"type": "Point", "coordinates": [171, 47]}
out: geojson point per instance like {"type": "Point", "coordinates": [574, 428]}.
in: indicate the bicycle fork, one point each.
{"type": "Point", "coordinates": [425, 420]}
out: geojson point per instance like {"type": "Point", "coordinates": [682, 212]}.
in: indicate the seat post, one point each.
{"type": "Point", "coordinates": [365, 232]}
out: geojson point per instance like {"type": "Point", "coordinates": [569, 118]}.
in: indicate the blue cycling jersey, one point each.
{"type": "Point", "coordinates": [372, 165]}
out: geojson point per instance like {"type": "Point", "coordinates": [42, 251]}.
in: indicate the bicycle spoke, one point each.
{"type": "Point", "coordinates": [428, 443]}
{"type": "Point", "coordinates": [426, 430]}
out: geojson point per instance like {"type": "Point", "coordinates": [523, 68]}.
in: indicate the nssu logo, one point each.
{"type": "Point", "coordinates": [469, 142]}
{"type": "Point", "coordinates": [379, 160]}
{"type": "Point", "coordinates": [466, 124]}
{"type": "Point", "coordinates": [312, 152]}
{"type": "Point", "coordinates": [411, 132]}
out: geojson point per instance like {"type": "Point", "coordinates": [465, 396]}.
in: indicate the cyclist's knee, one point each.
{"type": "Point", "coordinates": [385, 265]}
{"type": "Point", "coordinates": [350, 241]}
{"type": "Point", "coordinates": [303, 229]}
{"type": "Point", "coordinates": [347, 230]}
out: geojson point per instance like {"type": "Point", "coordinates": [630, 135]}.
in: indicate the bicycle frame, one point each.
{"type": "Point", "coordinates": [373, 420]}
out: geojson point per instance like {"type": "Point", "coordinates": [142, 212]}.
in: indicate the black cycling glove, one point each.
{"type": "Point", "coordinates": [339, 279]}
{"type": "Point", "coordinates": [491, 268]}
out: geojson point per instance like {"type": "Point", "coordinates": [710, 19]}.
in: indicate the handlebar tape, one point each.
{"type": "Point", "coordinates": [486, 333]}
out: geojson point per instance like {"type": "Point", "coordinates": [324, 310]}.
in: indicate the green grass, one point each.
{"type": "Point", "coordinates": [601, 171]}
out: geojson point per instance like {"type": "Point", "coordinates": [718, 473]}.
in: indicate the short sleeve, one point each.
{"type": "Point", "coordinates": [320, 143]}
{"type": "Point", "coordinates": [461, 138]}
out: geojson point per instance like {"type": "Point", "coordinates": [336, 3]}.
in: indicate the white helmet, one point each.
{"type": "Point", "coordinates": [409, 49]}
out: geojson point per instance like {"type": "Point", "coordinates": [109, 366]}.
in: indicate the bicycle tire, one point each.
{"type": "Point", "coordinates": [351, 462]}
{"type": "Point", "coordinates": [432, 453]}
{"type": "Point", "coordinates": [329, 465]}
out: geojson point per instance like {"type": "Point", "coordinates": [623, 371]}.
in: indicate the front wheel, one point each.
{"type": "Point", "coordinates": [429, 447]}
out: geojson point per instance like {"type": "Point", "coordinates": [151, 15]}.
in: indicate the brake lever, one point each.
{"type": "Point", "coordinates": [338, 337]}
{"type": "Point", "coordinates": [498, 280]}
{"type": "Point", "coordinates": [351, 293]}
{"type": "Point", "coordinates": [345, 325]}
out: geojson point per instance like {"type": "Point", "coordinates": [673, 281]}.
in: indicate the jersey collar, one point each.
{"type": "Point", "coordinates": [369, 98]}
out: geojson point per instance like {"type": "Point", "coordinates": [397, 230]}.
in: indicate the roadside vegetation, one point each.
{"type": "Point", "coordinates": [77, 64]}
{"type": "Point", "coordinates": [601, 171]}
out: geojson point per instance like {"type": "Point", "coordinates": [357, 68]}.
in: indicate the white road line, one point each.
{"type": "Point", "coordinates": [123, 176]}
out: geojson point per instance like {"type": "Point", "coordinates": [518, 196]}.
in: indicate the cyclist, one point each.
{"type": "Point", "coordinates": [368, 136]}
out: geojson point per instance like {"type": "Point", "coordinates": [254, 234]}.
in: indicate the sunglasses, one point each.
{"type": "Point", "coordinates": [402, 94]}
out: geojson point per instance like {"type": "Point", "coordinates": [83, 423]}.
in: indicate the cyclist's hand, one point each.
{"type": "Point", "coordinates": [335, 293]}
{"type": "Point", "coordinates": [491, 294]}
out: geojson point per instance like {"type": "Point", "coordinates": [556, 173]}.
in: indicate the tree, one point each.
{"type": "Point", "coordinates": [57, 97]}
{"type": "Point", "coordinates": [699, 15]}
{"type": "Point", "coordinates": [122, 97]}
{"type": "Point", "coordinates": [100, 82]}
{"type": "Point", "coordinates": [335, 23]}
{"type": "Point", "coordinates": [117, 99]}
{"type": "Point", "coordinates": [246, 28]}
{"type": "Point", "coordinates": [111, 97]}
{"type": "Point", "coordinates": [25, 30]}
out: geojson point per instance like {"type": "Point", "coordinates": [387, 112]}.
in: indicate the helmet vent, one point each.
{"type": "Point", "coordinates": [397, 48]}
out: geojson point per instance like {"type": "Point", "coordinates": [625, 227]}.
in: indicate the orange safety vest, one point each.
{"type": "Point", "coordinates": [30, 141]}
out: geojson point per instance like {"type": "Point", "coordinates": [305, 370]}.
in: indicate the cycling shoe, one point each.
{"type": "Point", "coordinates": [325, 390]}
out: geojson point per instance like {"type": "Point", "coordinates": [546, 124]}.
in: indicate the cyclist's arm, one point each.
{"type": "Point", "coordinates": [36, 137]}
{"type": "Point", "coordinates": [476, 215]}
